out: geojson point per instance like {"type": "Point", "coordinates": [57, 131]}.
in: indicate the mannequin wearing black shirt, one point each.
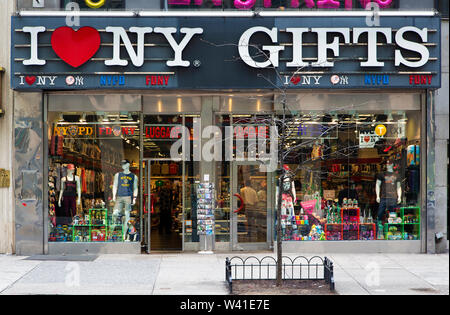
{"type": "Point", "coordinates": [388, 190]}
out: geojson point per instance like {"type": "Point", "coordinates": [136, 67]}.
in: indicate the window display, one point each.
{"type": "Point", "coordinates": [93, 177]}
{"type": "Point", "coordinates": [356, 177]}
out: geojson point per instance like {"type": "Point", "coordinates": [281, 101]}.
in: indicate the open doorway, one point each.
{"type": "Point", "coordinates": [163, 206]}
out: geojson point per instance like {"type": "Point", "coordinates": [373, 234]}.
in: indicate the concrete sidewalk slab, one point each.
{"type": "Point", "coordinates": [390, 281]}
{"type": "Point", "coordinates": [12, 268]}
{"type": "Point", "coordinates": [195, 274]}
{"type": "Point", "coordinates": [98, 277]}
{"type": "Point", "coordinates": [191, 274]}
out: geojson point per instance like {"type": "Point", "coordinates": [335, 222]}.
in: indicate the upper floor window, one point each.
{"type": "Point", "coordinates": [208, 4]}
{"type": "Point", "coordinates": [280, 4]}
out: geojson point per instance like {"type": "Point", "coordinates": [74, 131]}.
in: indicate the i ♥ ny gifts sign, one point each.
{"type": "Point", "coordinates": [222, 52]}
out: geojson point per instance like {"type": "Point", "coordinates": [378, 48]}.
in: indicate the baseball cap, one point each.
{"type": "Point", "coordinates": [70, 166]}
{"type": "Point", "coordinates": [125, 161]}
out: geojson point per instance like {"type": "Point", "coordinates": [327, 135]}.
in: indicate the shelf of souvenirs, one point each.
{"type": "Point", "coordinates": [336, 176]}
{"type": "Point", "coordinates": [354, 161]}
{"type": "Point", "coordinates": [218, 233]}
{"type": "Point", "coordinates": [79, 160]}
{"type": "Point", "coordinates": [165, 177]}
{"type": "Point", "coordinates": [356, 178]}
{"type": "Point", "coordinates": [170, 176]}
{"type": "Point", "coordinates": [80, 154]}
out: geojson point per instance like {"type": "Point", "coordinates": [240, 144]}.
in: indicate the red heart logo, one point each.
{"type": "Point", "coordinates": [30, 80]}
{"type": "Point", "coordinates": [366, 139]}
{"type": "Point", "coordinates": [295, 80]}
{"type": "Point", "coordinates": [75, 47]}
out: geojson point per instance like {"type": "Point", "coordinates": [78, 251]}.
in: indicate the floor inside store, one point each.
{"type": "Point", "coordinates": [165, 241]}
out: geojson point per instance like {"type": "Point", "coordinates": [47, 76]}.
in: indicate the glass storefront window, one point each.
{"type": "Point", "coordinates": [93, 177]}
{"type": "Point", "coordinates": [355, 176]}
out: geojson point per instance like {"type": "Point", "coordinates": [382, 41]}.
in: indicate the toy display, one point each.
{"type": "Point", "coordinates": [333, 212]}
{"type": "Point", "coordinates": [333, 232]}
{"type": "Point", "coordinates": [345, 222]}
{"type": "Point", "coordinates": [98, 227]}
{"type": "Point", "coordinates": [297, 228]}
{"type": "Point", "coordinates": [61, 233]}
{"type": "Point", "coordinates": [131, 231]}
{"type": "Point", "coordinates": [367, 232]}
{"type": "Point", "coordinates": [403, 224]}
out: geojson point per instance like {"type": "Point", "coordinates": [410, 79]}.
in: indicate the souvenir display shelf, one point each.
{"type": "Point", "coordinates": [99, 228]}
{"type": "Point", "coordinates": [408, 228]}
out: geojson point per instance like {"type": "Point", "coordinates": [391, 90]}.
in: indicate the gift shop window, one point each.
{"type": "Point", "coordinates": [355, 175]}
{"type": "Point", "coordinates": [93, 179]}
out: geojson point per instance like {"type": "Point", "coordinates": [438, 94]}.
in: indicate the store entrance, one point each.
{"type": "Point", "coordinates": [163, 205]}
{"type": "Point", "coordinates": [252, 197]}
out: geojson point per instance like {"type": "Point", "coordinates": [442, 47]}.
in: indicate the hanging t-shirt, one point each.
{"type": "Point", "coordinates": [388, 185]}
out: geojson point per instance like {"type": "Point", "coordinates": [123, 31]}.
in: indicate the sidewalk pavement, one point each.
{"type": "Point", "coordinates": [200, 274]}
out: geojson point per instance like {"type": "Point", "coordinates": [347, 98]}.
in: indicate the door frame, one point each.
{"type": "Point", "coordinates": [235, 245]}
{"type": "Point", "coordinates": [148, 176]}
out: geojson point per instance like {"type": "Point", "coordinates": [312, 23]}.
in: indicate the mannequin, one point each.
{"type": "Point", "coordinates": [388, 190]}
{"type": "Point", "coordinates": [288, 196]}
{"type": "Point", "coordinates": [70, 189]}
{"type": "Point", "coordinates": [125, 191]}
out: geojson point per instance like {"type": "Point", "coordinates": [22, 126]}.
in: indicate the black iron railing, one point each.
{"type": "Point", "coordinates": [299, 268]}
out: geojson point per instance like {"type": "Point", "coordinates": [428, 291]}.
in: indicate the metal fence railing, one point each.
{"type": "Point", "coordinates": [299, 268]}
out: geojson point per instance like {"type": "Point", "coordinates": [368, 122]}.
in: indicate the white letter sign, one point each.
{"type": "Point", "coordinates": [178, 48]}
{"type": "Point", "coordinates": [34, 60]}
{"type": "Point", "coordinates": [244, 47]}
{"type": "Point", "coordinates": [323, 46]}
{"type": "Point", "coordinates": [409, 45]}
{"type": "Point", "coordinates": [136, 58]}
{"type": "Point", "coordinates": [372, 44]}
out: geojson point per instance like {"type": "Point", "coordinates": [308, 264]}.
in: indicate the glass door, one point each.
{"type": "Point", "coordinates": [146, 206]}
{"type": "Point", "coordinates": [163, 205]}
{"type": "Point", "coordinates": [251, 200]}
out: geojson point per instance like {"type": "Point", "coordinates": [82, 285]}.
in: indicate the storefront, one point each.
{"type": "Point", "coordinates": [159, 133]}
